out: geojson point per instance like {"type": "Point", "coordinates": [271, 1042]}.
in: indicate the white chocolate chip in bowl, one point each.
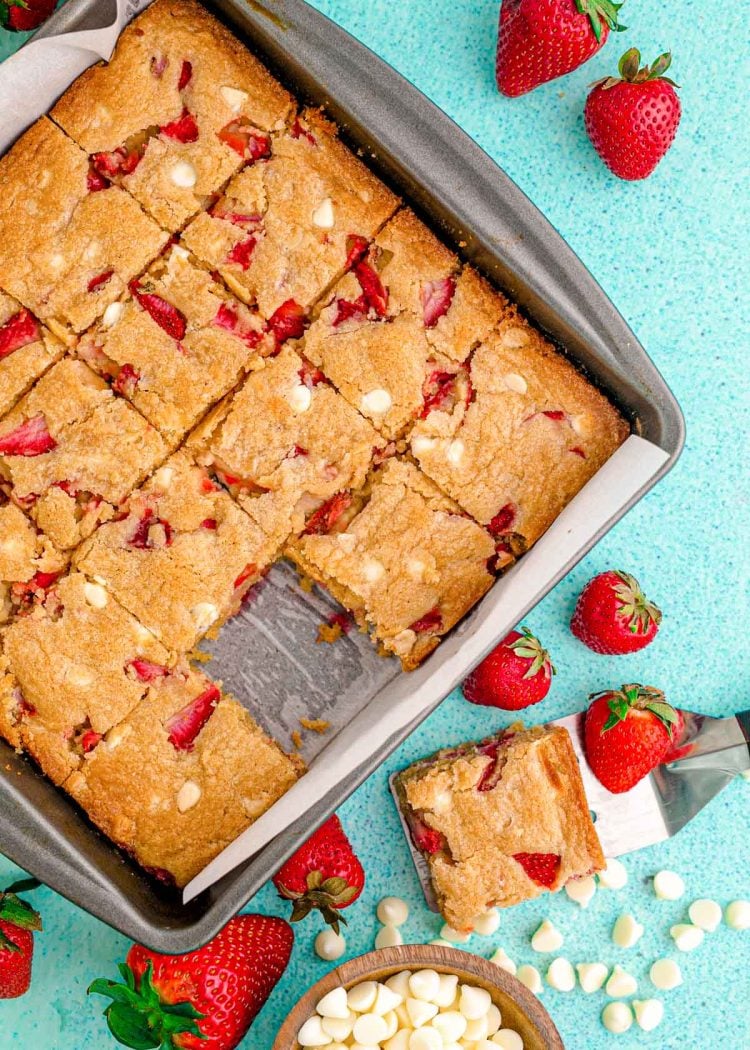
{"type": "Point", "coordinates": [420, 1012]}
{"type": "Point", "coordinates": [234, 97]}
{"type": "Point", "coordinates": [188, 796]}
{"type": "Point", "coordinates": [312, 1034]}
{"type": "Point", "coordinates": [474, 1002]}
{"type": "Point", "coordinates": [323, 216]}
{"type": "Point", "coordinates": [507, 1039]}
{"type": "Point", "coordinates": [334, 1005]}
{"type": "Point", "coordinates": [376, 402]}
{"type": "Point", "coordinates": [183, 174]}
{"type": "Point", "coordinates": [425, 985]}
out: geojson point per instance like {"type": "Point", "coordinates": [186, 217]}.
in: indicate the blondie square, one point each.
{"type": "Point", "coordinates": [402, 557]}
{"type": "Point", "coordinates": [284, 228]}
{"type": "Point", "coordinates": [177, 110]}
{"type": "Point", "coordinates": [176, 345]}
{"type": "Point", "coordinates": [27, 350]}
{"type": "Point", "coordinates": [182, 776]}
{"type": "Point", "coordinates": [286, 444]}
{"type": "Point", "coordinates": [29, 562]}
{"type": "Point", "coordinates": [71, 452]}
{"type": "Point", "coordinates": [531, 434]}
{"type": "Point", "coordinates": [80, 663]}
{"type": "Point", "coordinates": [400, 323]}
{"type": "Point", "coordinates": [182, 554]}
{"type": "Point", "coordinates": [68, 244]}
{"type": "Point", "coordinates": [500, 821]}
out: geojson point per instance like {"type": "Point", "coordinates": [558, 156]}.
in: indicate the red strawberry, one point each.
{"type": "Point", "coordinates": [679, 745]}
{"type": "Point", "coordinates": [186, 75]}
{"type": "Point", "coordinates": [184, 129]}
{"type": "Point", "coordinates": [89, 740]}
{"type": "Point", "coordinates": [356, 249]}
{"type": "Point", "coordinates": [143, 538]}
{"type": "Point", "coordinates": [431, 621]}
{"type": "Point", "coordinates": [243, 139]}
{"type": "Point", "coordinates": [250, 570]}
{"type": "Point", "coordinates": [242, 252]}
{"type": "Point", "coordinates": [19, 331]}
{"type": "Point", "coordinates": [120, 161]}
{"type": "Point", "coordinates": [375, 295]}
{"type": "Point", "coordinates": [632, 121]}
{"type": "Point", "coordinates": [184, 726]}
{"type": "Point", "coordinates": [22, 15]}
{"type": "Point", "coordinates": [287, 322]}
{"type": "Point", "coordinates": [297, 131]}
{"type": "Point", "coordinates": [516, 674]}
{"type": "Point", "coordinates": [165, 314]}
{"type": "Point", "coordinates": [436, 299]}
{"type": "Point", "coordinates": [326, 516]}
{"type": "Point", "coordinates": [29, 439]}
{"type": "Point", "coordinates": [18, 921]}
{"type": "Point", "coordinates": [627, 733]}
{"type": "Point", "coordinates": [203, 1000]}
{"type": "Point", "coordinates": [126, 381]}
{"type": "Point", "coordinates": [503, 521]}
{"type": "Point", "coordinates": [146, 670]}
{"type": "Point", "coordinates": [539, 40]}
{"type": "Point", "coordinates": [345, 309]}
{"type": "Point", "coordinates": [99, 281]}
{"type": "Point", "coordinates": [324, 873]}
{"type": "Point", "coordinates": [614, 616]}
{"type": "Point", "coordinates": [426, 839]}
{"type": "Point", "coordinates": [542, 868]}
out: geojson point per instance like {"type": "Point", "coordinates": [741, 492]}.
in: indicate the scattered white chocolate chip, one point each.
{"type": "Point", "coordinates": [451, 1025]}
{"type": "Point", "coordinates": [370, 1029]}
{"type": "Point", "coordinates": [621, 983]}
{"type": "Point", "coordinates": [454, 936]}
{"type": "Point", "coordinates": [188, 796]}
{"type": "Point", "coordinates": [686, 936]}
{"type": "Point", "coordinates": [547, 938]}
{"type": "Point", "coordinates": [329, 945]}
{"type": "Point", "coordinates": [447, 991]}
{"type": "Point", "coordinates": [507, 1039]}
{"type": "Point", "coordinates": [515, 382]}
{"type": "Point", "coordinates": [373, 570]}
{"type": "Point", "coordinates": [627, 931]}
{"type": "Point", "coordinates": [705, 913]}
{"type": "Point", "coordinates": [204, 614]}
{"type": "Point", "coordinates": [334, 1005]}
{"type": "Point", "coordinates": [376, 402]}
{"type": "Point", "coordinates": [424, 984]}
{"type": "Point", "coordinates": [95, 595]}
{"type": "Point", "coordinates": [665, 974]}
{"type": "Point", "coordinates": [420, 1012]}
{"type": "Point", "coordinates": [649, 1013]}
{"type": "Point", "coordinates": [668, 886]}
{"type": "Point", "coordinates": [454, 453]}
{"type": "Point", "coordinates": [530, 977]}
{"type": "Point", "coordinates": [233, 97]}
{"type": "Point", "coordinates": [312, 1034]}
{"type": "Point", "coordinates": [421, 444]}
{"type": "Point", "coordinates": [591, 976]}
{"type": "Point", "coordinates": [614, 876]}
{"type": "Point", "coordinates": [112, 314]}
{"type": "Point", "coordinates": [501, 959]}
{"type": "Point", "coordinates": [487, 923]}
{"type": "Point", "coordinates": [737, 915]}
{"type": "Point", "coordinates": [474, 1002]}
{"type": "Point", "coordinates": [393, 911]}
{"type": "Point", "coordinates": [581, 890]}
{"type": "Point", "coordinates": [561, 975]}
{"type": "Point", "coordinates": [617, 1017]}
{"type": "Point", "coordinates": [322, 216]}
{"type": "Point", "coordinates": [388, 937]}
{"type": "Point", "coordinates": [183, 174]}
{"type": "Point", "coordinates": [299, 398]}
{"type": "Point", "coordinates": [386, 1000]}
{"type": "Point", "coordinates": [361, 997]}
{"type": "Point", "coordinates": [163, 477]}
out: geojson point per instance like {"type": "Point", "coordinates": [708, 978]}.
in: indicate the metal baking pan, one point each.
{"type": "Point", "coordinates": [267, 656]}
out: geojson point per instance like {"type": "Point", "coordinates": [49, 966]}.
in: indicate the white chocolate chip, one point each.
{"type": "Point", "coordinates": [234, 98]}
{"type": "Point", "coordinates": [56, 262]}
{"type": "Point", "coordinates": [454, 453]}
{"type": "Point", "coordinates": [649, 1013]}
{"type": "Point", "coordinates": [477, 1031]}
{"type": "Point", "coordinates": [393, 911]}
{"type": "Point", "coordinates": [95, 595]}
{"type": "Point", "coordinates": [299, 398]}
{"type": "Point", "coordinates": [361, 997]}
{"type": "Point", "coordinates": [178, 252]}
{"type": "Point", "coordinates": [388, 937]}
{"type": "Point", "coordinates": [581, 890]}
{"type": "Point", "coordinates": [614, 876]}
{"type": "Point", "coordinates": [507, 1039]}
{"type": "Point", "coordinates": [621, 983]}
{"type": "Point", "coordinates": [530, 977]}
{"type": "Point", "coordinates": [547, 938]}
{"type": "Point", "coordinates": [591, 976]}
{"type": "Point", "coordinates": [339, 1028]}
{"type": "Point", "coordinates": [686, 936]}
{"type": "Point", "coordinates": [373, 570]}
{"type": "Point", "coordinates": [561, 975]}
{"type": "Point", "coordinates": [515, 337]}
{"type": "Point", "coordinates": [116, 736]}
{"type": "Point", "coordinates": [311, 1033]}
{"type": "Point", "coordinates": [80, 676]}
{"type": "Point", "coordinates": [426, 1039]}
{"type": "Point", "coordinates": [627, 931]}
{"type": "Point", "coordinates": [334, 1005]}
{"type": "Point", "coordinates": [386, 1000]}
{"type": "Point", "coordinates": [668, 886]}
{"type": "Point", "coordinates": [447, 992]}
{"type": "Point", "coordinates": [420, 1011]}
{"type": "Point", "coordinates": [183, 174]}
{"type": "Point", "coordinates": [474, 1002]}
{"type": "Point", "coordinates": [415, 568]}
{"type": "Point", "coordinates": [617, 1017]}
{"type": "Point", "coordinates": [376, 402]}
{"type": "Point", "coordinates": [487, 923]}
{"type": "Point", "coordinates": [515, 382]}
{"type": "Point", "coordinates": [705, 913]}
{"type": "Point", "coordinates": [421, 444]}
{"type": "Point", "coordinates": [440, 942]}
{"type": "Point", "coordinates": [204, 614]}
{"type": "Point", "coordinates": [322, 216]}
{"type": "Point", "coordinates": [494, 1020]}
{"type": "Point", "coordinates": [665, 974]}
{"type": "Point", "coordinates": [501, 959]}
{"type": "Point", "coordinates": [402, 642]}
{"type": "Point", "coordinates": [425, 985]}
{"type": "Point", "coordinates": [451, 1025]}
{"type": "Point", "coordinates": [369, 1029]}
{"type": "Point", "coordinates": [392, 1023]}
{"type": "Point", "coordinates": [163, 478]}
{"type": "Point", "coordinates": [454, 936]}
{"type": "Point", "coordinates": [329, 945]}
{"type": "Point", "coordinates": [347, 541]}
{"type": "Point", "coordinates": [400, 1041]}
{"type": "Point", "coordinates": [580, 423]}
{"type": "Point", "coordinates": [188, 796]}
{"type": "Point", "coordinates": [399, 983]}
{"type": "Point", "coordinates": [112, 314]}
{"type": "Point", "coordinates": [737, 915]}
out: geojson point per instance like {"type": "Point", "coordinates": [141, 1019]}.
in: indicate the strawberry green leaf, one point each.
{"type": "Point", "coordinates": [132, 1029]}
{"type": "Point", "coordinates": [138, 1018]}
{"type": "Point", "coordinates": [630, 63]}
{"type": "Point", "coordinates": [7, 945]}
{"type": "Point", "coordinates": [530, 648]}
{"type": "Point", "coordinates": [601, 11]}
{"type": "Point", "coordinates": [18, 912]}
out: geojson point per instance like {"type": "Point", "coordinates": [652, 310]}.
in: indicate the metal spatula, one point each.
{"type": "Point", "coordinates": [714, 751]}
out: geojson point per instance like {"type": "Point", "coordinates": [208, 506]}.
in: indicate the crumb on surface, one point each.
{"type": "Point", "coordinates": [329, 633]}
{"type": "Point", "coordinates": [317, 725]}
{"type": "Point", "coordinates": [297, 739]}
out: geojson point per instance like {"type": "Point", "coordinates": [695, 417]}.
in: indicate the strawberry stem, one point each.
{"type": "Point", "coordinates": [599, 11]}
{"type": "Point", "coordinates": [530, 648]}
{"type": "Point", "coordinates": [632, 72]}
{"type": "Point", "coordinates": [639, 698]}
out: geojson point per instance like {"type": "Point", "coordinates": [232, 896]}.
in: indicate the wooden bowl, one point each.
{"type": "Point", "coordinates": [520, 1008]}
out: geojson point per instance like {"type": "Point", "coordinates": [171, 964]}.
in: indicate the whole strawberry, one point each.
{"type": "Point", "coordinates": [627, 733]}
{"type": "Point", "coordinates": [632, 121]}
{"type": "Point", "coordinates": [18, 921]}
{"type": "Point", "coordinates": [517, 673]}
{"type": "Point", "coordinates": [22, 15]}
{"type": "Point", "coordinates": [324, 873]}
{"type": "Point", "coordinates": [614, 616]}
{"type": "Point", "coordinates": [539, 40]}
{"type": "Point", "coordinates": [204, 999]}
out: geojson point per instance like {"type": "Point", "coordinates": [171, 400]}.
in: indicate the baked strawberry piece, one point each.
{"type": "Point", "coordinates": [500, 821]}
{"type": "Point", "coordinates": [401, 556]}
{"type": "Point", "coordinates": [71, 452]}
{"type": "Point", "coordinates": [176, 344]}
{"type": "Point", "coordinates": [29, 562]}
{"type": "Point", "coordinates": [182, 776]}
{"type": "Point", "coordinates": [181, 554]}
{"type": "Point", "coordinates": [179, 108]}
{"type": "Point", "coordinates": [68, 247]}
{"type": "Point", "coordinates": [286, 444]}
{"type": "Point", "coordinates": [27, 350]}
{"type": "Point", "coordinates": [79, 664]}
{"type": "Point", "coordinates": [282, 230]}
{"type": "Point", "coordinates": [396, 328]}
{"type": "Point", "coordinates": [528, 437]}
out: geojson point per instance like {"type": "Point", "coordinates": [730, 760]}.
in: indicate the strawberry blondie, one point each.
{"type": "Point", "coordinates": [500, 821]}
{"type": "Point", "coordinates": [29, 562]}
{"type": "Point", "coordinates": [401, 556]}
{"type": "Point", "coordinates": [284, 229]}
{"type": "Point", "coordinates": [68, 244]}
{"type": "Point", "coordinates": [71, 452]}
{"type": "Point", "coordinates": [80, 663]}
{"type": "Point", "coordinates": [400, 323]}
{"type": "Point", "coordinates": [286, 445]}
{"type": "Point", "coordinates": [182, 776]}
{"type": "Point", "coordinates": [181, 555]}
{"type": "Point", "coordinates": [177, 110]}
{"type": "Point", "coordinates": [177, 344]}
{"type": "Point", "coordinates": [27, 350]}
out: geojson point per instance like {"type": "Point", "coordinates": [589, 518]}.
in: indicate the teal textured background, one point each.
{"type": "Point", "coordinates": [672, 254]}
